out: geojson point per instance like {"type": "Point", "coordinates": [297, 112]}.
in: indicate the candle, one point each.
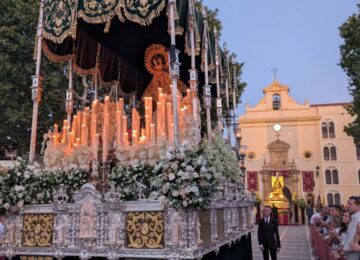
{"type": "Point", "coordinates": [118, 128]}
{"type": "Point", "coordinates": [74, 125]}
{"type": "Point", "coordinates": [126, 139]}
{"type": "Point", "coordinates": [158, 120]}
{"type": "Point", "coordinates": [78, 126]}
{"type": "Point", "coordinates": [96, 147]}
{"type": "Point", "coordinates": [84, 135]}
{"type": "Point", "coordinates": [152, 133]}
{"type": "Point", "coordinates": [147, 127]}
{"type": "Point", "coordinates": [168, 118]}
{"type": "Point", "coordinates": [134, 137]}
{"type": "Point", "coordinates": [105, 137]}
{"type": "Point", "coordinates": [124, 131]}
{"type": "Point", "coordinates": [133, 121]}
{"type": "Point", "coordinates": [70, 141]}
{"type": "Point", "coordinates": [64, 131]}
{"type": "Point", "coordinates": [163, 114]}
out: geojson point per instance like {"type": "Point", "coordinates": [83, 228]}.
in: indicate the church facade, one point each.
{"type": "Point", "coordinates": [303, 145]}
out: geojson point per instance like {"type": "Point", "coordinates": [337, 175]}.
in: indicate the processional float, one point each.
{"type": "Point", "coordinates": [135, 48]}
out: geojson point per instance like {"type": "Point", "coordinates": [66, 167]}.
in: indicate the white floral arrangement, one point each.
{"type": "Point", "coordinates": [186, 180]}
{"type": "Point", "coordinates": [28, 184]}
{"type": "Point", "coordinates": [220, 156]}
{"type": "Point", "coordinates": [183, 178]}
{"type": "Point", "coordinates": [132, 179]}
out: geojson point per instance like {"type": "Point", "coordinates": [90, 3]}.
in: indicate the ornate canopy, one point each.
{"type": "Point", "coordinates": [113, 35]}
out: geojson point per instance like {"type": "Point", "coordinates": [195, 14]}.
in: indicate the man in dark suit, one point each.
{"type": "Point", "coordinates": [268, 235]}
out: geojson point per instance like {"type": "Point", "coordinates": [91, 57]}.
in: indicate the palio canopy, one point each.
{"type": "Point", "coordinates": [117, 34]}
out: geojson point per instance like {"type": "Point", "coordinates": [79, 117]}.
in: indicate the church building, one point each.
{"type": "Point", "coordinates": [301, 147]}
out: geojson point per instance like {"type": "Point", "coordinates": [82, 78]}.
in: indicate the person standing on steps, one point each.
{"type": "Point", "coordinates": [268, 235]}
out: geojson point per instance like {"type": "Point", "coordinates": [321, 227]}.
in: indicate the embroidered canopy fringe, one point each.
{"type": "Point", "coordinates": [148, 18]}
{"type": "Point", "coordinates": [53, 57]}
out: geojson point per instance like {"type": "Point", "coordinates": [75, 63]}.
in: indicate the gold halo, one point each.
{"type": "Point", "coordinates": [156, 58]}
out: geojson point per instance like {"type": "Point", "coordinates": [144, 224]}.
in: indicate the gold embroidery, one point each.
{"type": "Point", "coordinates": [145, 230]}
{"type": "Point", "coordinates": [142, 11]}
{"type": "Point", "coordinates": [38, 230]}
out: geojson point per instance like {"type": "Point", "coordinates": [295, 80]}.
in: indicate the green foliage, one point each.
{"type": "Point", "coordinates": [350, 62]}
{"type": "Point", "coordinates": [212, 16]}
{"type": "Point", "coordinates": [18, 23]}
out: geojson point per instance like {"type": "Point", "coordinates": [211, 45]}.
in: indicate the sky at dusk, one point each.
{"type": "Point", "coordinates": [298, 37]}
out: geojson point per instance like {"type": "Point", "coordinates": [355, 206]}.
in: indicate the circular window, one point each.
{"type": "Point", "coordinates": [251, 155]}
{"type": "Point", "coordinates": [307, 155]}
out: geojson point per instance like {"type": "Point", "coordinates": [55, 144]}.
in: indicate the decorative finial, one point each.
{"type": "Point", "coordinates": [225, 47]}
{"type": "Point", "coordinates": [275, 71]}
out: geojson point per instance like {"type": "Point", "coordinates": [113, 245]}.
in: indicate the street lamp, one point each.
{"type": "Point", "coordinates": [242, 155]}
{"type": "Point", "coordinates": [238, 137]}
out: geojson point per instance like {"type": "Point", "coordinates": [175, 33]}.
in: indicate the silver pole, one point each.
{"type": "Point", "coordinates": [193, 72]}
{"type": "Point", "coordinates": [36, 88]}
{"type": "Point", "coordinates": [218, 99]}
{"type": "Point", "coordinates": [174, 71]}
{"type": "Point", "coordinates": [69, 96]}
{"type": "Point", "coordinates": [235, 86]}
{"type": "Point", "coordinates": [207, 88]}
{"type": "Point", "coordinates": [226, 76]}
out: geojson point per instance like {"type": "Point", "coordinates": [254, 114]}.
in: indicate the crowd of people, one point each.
{"type": "Point", "coordinates": [339, 227]}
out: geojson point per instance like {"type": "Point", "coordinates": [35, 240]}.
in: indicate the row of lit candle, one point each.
{"type": "Point", "coordinates": [110, 122]}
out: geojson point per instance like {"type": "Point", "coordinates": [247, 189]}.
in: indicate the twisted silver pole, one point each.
{"type": "Point", "coordinates": [36, 88]}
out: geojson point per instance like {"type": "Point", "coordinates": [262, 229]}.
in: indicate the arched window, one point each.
{"type": "Point", "coordinates": [324, 130]}
{"type": "Point", "coordinates": [331, 176]}
{"type": "Point", "coordinates": [333, 153]}
{"type": "Point", "coordinates": [337, 198]}
{"type": "Point", "coordinates": [276, 102]}
{"type": "Point", "coordinates": [330, 153]}
{"type": "Point", "coordinates": [328, 129]}
{"type": "Point", "coordinates": [328, 177]}
{"type": "Point", "coordinates": [358, 152]}
{"type": "Point", "coordinates": [333, 197]}
{"type": "Point", "coordinates": [326, 153]}
{"type": "Point", "coordinates": [330, 199]}
{"type": "Point", "coordinates": [331, 130]}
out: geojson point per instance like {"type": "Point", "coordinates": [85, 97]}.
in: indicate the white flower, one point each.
{"type": "Point", "coordinates": [195, 175]}
{"type": "Point", "coordinates": [6, 205]}
{"type": "Point", "coordinates": [26, 176]}
{"type": "Point", "coordinates": [20, 204]}
{"type": "Point", "coordinates": [175, 193]}
{"type": "Point", "coordinates": [18, 174]}
{"type": "Point", "coordinates": [174, 166]}
{"type": "Point", "coordinates": [162, 198]}
{"type": "Point", "coordinates": [165, 188]}
{"type": "Point", "coordinates": [180, 173]}
{"type": "Point", "coordinates": [189, 168]}
{"type": "Point", "coordinates": [169, 156]}
{"type": "Point", "coordinates": [17, 188]}
{"type": "Point", "coordinates": [20, 195]}
{"type": "Point", "coordinates": [171, 176]}
{"type": "Point", "coordinates": [185, 204]}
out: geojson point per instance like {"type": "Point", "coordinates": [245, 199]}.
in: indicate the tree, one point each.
{"type": "Point", "coordinates": [18, 23]}
{"type": "Point", "coordinates": [350, 62]}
